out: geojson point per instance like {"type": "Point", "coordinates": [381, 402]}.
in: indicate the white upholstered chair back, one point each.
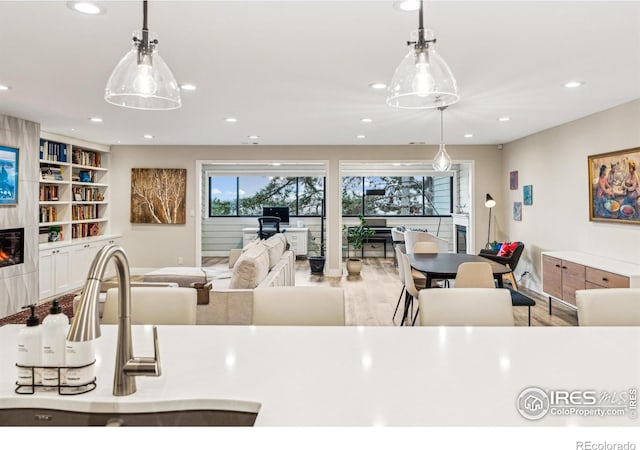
{"type": "Point", "coordinates": [400, 264]}
{"type": "Point", "coordinates": [425, 247]}
{"type": "Point", "coordinates": [608, 307]}
{"type": "Point", "coordinates": [473, 307]}
{"type": "Point", "coordinates": [155, 306]}
{"type": "Point", "coordinates": [409, 282]}
{"type": "Point", "coordinates": [411, 237]}
{"type": "Point", "coordinates": [298, 305]}
{"type": "Point", "coordinates": [397, 235]}
{"type": "Point", "coordinates": [474, 275]}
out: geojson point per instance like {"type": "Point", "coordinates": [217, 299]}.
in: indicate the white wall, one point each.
{"type": "Point", "coordinates": [554, 161]}
{"type": "Point", "coordinates": [152, 245]}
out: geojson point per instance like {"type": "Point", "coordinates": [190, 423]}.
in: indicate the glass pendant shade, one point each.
{"type": "Point", "coordinates": [143, 81]}
{"type": "Point", "coordinates": [442, 161]}
{"type": "Point", "coordinates": [422, 80]}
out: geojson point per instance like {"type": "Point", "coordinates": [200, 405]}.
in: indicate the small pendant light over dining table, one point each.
{"type": "Point", "coordinates": [142, 80]}
{"type": "Point", "coordinates": [442, 161]}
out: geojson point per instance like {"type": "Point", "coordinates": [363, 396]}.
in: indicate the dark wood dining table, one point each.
{"type": "Point", "coordinates": [444, 266]}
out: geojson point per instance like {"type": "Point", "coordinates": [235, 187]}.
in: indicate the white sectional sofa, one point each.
{"type": "Point", "coordinates": [262, 263]}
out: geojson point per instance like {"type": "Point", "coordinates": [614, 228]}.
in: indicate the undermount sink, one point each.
{"type": "Point", "coordinates": [242, 414]}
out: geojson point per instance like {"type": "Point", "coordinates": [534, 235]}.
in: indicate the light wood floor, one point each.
{"type": "Point", "coordinates": [372, 297]}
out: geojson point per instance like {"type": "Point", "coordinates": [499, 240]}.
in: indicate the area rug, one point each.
{"type": "Point", "coordinates": [42, 311]}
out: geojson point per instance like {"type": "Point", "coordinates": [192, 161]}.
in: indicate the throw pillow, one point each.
{"type": "Point", "coordinates": [507, 249]}
{"type": "Point", "coordinates": [275, 247]}
{"type": "Point", "coordinates": [251, 268]}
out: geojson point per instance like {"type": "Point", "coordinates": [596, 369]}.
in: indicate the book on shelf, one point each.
{"type": "Point", "coordinates": [85, 157]}
{"type": "Point", "coordinates": [52, 173]}
{"type": "Point", "coordinates": [48, 193]}
{"type": "Point", "coordinates": [48, 214]}
{"type": "Point", "coordinates": [53, 151]}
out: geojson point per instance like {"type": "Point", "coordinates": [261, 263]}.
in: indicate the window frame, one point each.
{"type": "Point", "coordinates": [424, 205]}
{"type": "Point", "coordinates": [237, 212]}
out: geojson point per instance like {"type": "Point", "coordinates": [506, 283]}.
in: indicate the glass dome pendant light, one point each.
{"type": "Point", "coordinates": [142, 80]}
{"type": "Point", "coordinates": [423, 79]}
{"type": "Point", "coordinates": [442, 161]}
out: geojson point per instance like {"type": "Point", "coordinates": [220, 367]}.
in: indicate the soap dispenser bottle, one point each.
{"type": "Point", "coordinates": [54, 332]}
{"type": "Point", "coordinates": [30, 351]}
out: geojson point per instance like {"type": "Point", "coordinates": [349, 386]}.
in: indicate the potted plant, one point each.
{"type": "Point", "coordinates": [357, 236]}
{"type": "Point", "coordinates": [317, 260]}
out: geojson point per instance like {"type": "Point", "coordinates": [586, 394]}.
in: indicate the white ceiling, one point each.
{"type": "Point", "coordinates": [297, 72]}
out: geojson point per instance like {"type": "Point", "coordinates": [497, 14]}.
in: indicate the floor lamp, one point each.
{"type": "Point", "coordinates": [489, 203]}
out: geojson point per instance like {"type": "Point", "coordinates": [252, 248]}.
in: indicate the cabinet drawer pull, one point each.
{"type": "Point", "coordinates": [605, 279]}
{"type": "Point", "coordinates": [557, 265]}
{"type": "Point", "coordinates": [564, 267]}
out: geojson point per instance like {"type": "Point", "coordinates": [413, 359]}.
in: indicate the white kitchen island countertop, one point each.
{"type": "Point", "coordinates": [361, 376]}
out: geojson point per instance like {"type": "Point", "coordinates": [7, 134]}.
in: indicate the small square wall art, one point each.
{"type": "Point", "coordinates": [517, 211]}
{"type": "Point", "coordinates": [513, 180]}
{"type": "Point", "coordinates": [527, 192]}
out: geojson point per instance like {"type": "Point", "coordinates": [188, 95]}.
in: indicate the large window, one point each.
{"type": "Point", "coordinates": [397, 196]}
{"type": "Point", "coordinates": [245, 196]}
{"type": "Point", "coordinates": [368, 196]}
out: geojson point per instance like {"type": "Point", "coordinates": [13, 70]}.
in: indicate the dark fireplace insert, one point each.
{"type": "Point", "coordinates": [461, 239]}
{"type": "Point", "coordinates": [11, 247]}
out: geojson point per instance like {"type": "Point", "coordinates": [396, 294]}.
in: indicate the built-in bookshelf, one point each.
{"type": "Point", "coordinates": [74, 189]}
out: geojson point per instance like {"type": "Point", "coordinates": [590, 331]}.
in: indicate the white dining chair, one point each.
{"type": "Point", "coordinates": [411, 237]}
{"type": "Point", "coordinates": [298, 305]}
{"type": "Point", "coordinates": [155, 306]}
{"type": "Point", "coordinates": [460, 307]}
{"type": "Point", "coordinates": [608, 307]}
{"type": "Point", "coordinates": [474, 275]}
{"type": "Point", "coordinates": [424, 247]}
{"type": "Point", "coordinates": [411, 290]}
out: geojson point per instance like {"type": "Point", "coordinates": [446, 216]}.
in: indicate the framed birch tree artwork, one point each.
{"type": "Point", "coordinates": [158, 196]}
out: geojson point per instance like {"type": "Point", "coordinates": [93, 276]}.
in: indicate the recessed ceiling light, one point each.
{"type": "Point", "coordinates": [360, 136]}
{"type": "Point", "coordinates": [96, 119]}
{"type": "Point", "coordinates": [378, 85]}
{"type": "Point", "coordinates": [253, 136]}
{"type": "Point", "coordinates": [573, 84]}
{"type": "Point", "coordinates": [230, 119]}
{"type": "Point", "coordinates": [148, 136]}
{"type": "Point", "coordinates": [407, 5]}
{"type": "Point", "coordinates": [468, 135]}
{"type": "Point", "coordinates": [86, 7]}
{"type": "Point", "coordinates": [73, 129]}
{"type": "Point", "coordinates": [396, 164]}
{"type": "Point", "coordinates": [366, 120]}
{"type": "Point", "coordinates": [188, 87]}
{"type": "Point", "coordinates": [504, 119]}
{"type": "Point", "coordinates": [275, 164]}
{"type": "Point", "coordinates": [4, 87]}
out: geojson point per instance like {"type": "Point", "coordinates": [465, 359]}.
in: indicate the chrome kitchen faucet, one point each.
{"type": "Point", "coordinates": [86, 323]}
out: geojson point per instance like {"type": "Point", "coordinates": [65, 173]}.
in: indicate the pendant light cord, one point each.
{"type": "Point", "coordinates": [442, 108]}
{"type": "Point", "coordinates": [441, 125]}
{"type": "Point", "coordinates": [145, 27]}
{"type": "Point", "coordinates": [144, 16]}
{"type": "Point", "coordinates": [421, 25]}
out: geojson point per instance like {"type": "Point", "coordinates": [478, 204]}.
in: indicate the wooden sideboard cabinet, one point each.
{"type": "Point", "coordinates": [563, 273]}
